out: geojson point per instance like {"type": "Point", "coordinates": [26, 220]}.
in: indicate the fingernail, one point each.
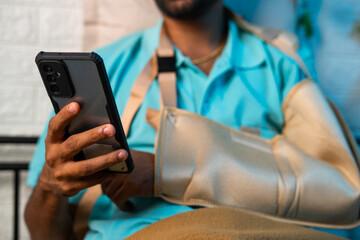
{"type": "Point", "coordinates": [122, 155]}
{"type": "Point", "coordinates": [109, 130]}
{"type": "Point", "coordinates": [71, 108]}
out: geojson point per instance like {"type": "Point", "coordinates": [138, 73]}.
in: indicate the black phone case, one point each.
{"type": "Point", "coordinates": [89, 86]}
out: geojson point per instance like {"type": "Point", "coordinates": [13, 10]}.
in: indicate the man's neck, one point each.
{"type": "Point", "coordinates": [197, 38]}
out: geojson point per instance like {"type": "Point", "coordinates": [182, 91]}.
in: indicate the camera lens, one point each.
{"type": "Point", "coordinates": [51, 78]}
{"type": "Point", "coordinates": [57, 74]}
{"type": "Point", "coordinates": [54, 89]}
{"type": "Point", "coordinates": [47, 68]}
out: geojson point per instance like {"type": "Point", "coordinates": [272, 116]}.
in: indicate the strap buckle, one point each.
{"type": "Point", "coordinates": [166, 64]}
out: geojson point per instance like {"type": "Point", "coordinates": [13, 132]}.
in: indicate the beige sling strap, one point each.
{"type": "Point", "coordinates": [166, 71]}
{"type": "Point", "coordinates": [164, 58]}
{"type": "Point", "coordinates": [84, 209]}
{"type": "Point", "coordinates": [287, 43]}
{"type": "Point", "coordinates": [138, 93]}
{"type": "Point", "coordinates": [167, 84]}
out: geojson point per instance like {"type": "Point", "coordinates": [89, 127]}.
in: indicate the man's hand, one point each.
{"type": "Point", "coordinates": [61, 175]}
{"type": "Point", "coordinates": [139, 183]}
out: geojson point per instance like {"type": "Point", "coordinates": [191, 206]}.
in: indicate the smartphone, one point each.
{"type": "Point", "coordinates": [82, 78]}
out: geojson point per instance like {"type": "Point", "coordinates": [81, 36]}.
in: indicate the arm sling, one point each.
{"type": "Point", "coordinates": [308, 174]}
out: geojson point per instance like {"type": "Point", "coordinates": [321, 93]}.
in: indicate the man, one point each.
{"type": "Point", "coordinates": [223, 73]}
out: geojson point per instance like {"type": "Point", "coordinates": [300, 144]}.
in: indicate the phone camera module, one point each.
{"type": "Point", "coordinates": [51, 78]}
{"type": "Point", "coordinates": [54, 89]}
{"type": "Point", "coordinates": [55, 78]}
{"type": "Point", "coordinates": [47, 68]}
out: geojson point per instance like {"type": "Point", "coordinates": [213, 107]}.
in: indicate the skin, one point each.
{"type": "Point", "coordinates": [185, 9]}
{"type": "Point", "coordinates": [48, 214]}
{"type": "Point", "coordinates": [204, 31]}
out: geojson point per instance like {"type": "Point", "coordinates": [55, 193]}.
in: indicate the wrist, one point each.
{"type": "Point", "coordinates": [45, 187]}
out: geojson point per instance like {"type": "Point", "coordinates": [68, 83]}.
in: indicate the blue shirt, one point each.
{"type": "Point", "coordinates": [246, 87]}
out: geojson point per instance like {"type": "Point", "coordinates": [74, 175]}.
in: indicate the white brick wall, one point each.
{"type": "Point", "coordinates": [107, 20]}
{"type": "Point", "coordinates": [27, 27]}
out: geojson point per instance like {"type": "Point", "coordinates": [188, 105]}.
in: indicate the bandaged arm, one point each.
{"type": "Point", "coordinates": [309, 173]}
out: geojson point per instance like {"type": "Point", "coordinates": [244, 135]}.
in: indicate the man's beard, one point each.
{"type": "Point", "coordinates": [184, 9]}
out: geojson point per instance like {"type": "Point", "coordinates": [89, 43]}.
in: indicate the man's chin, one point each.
{"type": "Point", "coordinates": [184, 9]}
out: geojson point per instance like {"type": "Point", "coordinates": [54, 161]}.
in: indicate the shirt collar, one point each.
{"type": "Point", "coordinates": [242, 49]}
{"type": "Point", "coordinates": [151, 38]}
{"type": "Point", "coordinates": [151, 42]}
{"type": "Point", "coordinates": [181, 59]}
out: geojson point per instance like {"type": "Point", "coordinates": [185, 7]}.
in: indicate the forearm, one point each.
{"type": "Point", "coordinates": [47, 215]}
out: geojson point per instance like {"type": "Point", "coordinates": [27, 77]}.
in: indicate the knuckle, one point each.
{"type": "Point", "coordinates": [59, 175]}
{"type": "Point", "coordinates": [68, 189]}
{"type": "Point", "coordinates": [62, 115]}
{"type": "Point", "coordinates": [85, 170]}
{"type": "Point", "coordinates": [72, 143]}
{"type": "Point", "coordinates": [110, 159]}
{"type": "Point", "coordinates": [64, 153]}
{"type": "Point", "coordinates": [50, 163]}
{"type": "Point", "coordinates": [47, 141]}
{"type": "Point", "coordinates": [50, 159]}
{"type": "Point", "coordinates": [52, 125]}
{"type": "Point", "coordinates": [95, 135]}
{"type": "Point", "coordinates": [105, 161]}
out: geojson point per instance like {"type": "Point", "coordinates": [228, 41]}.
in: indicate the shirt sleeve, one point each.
{"type": "Point", "coordinates": [290, 74]}
{"type": "Point", "coordinates": [287, 72]}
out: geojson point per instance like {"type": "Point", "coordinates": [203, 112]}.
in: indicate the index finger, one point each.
{"type": "Point", "coordinates": [93, 165]}
{"type": "Point", "coordinates": [58, 124]}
